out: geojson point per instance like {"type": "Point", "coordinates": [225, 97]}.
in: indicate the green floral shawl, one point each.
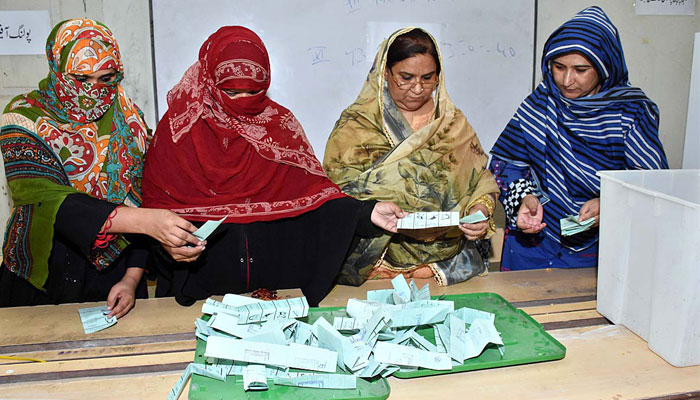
{"type": "Point", "coordinates": [43, 148]}
{"type": "Point", "coordinates": [372, 153]}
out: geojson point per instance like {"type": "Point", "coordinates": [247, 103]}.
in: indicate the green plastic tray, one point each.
{"type": "Point", "coordinates": [202, 387]}
{"type": "Point", "coordinates": [524, 338]}
{"type": "Point", "coordinates": [205, 388]}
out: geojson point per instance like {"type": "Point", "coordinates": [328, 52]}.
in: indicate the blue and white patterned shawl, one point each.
{"type": "Point", "coordinates": [564, 142]}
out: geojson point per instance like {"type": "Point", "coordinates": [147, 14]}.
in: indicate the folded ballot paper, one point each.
{"type": "Point", "coordinates": [267, 343]}
{"type": "Point", "coordinates": [207, 229]}
{"type": "Point", "coordinates": [437, 219]}
{"type": "Point", "coordinates": [95, 319]}
{"type": "Point", "coordinates": [570, 225]}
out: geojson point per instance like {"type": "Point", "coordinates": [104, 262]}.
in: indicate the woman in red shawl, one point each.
{"type": "Point", "coordinates": [226, 150]}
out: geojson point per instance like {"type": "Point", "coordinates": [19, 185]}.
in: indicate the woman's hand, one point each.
{"type": "Point", "coordinates": [386, 215]}
{"type": "Point", "coordinates": [476, 230]}
{"type": "Point", "coordinates": [121, 297]}
{"type": "Point", "coordinates": [168, 228]}
{"type": "Point", "coordinates": [590, 209]}
{"type": "Point", "coordinates": [185, 253]}
{"type": "Point", "coordinates": [530, 215]}
{"type": "Point", "coordinates": [172, 231]}
{"type": "Point", "coordinates": [163, 225]}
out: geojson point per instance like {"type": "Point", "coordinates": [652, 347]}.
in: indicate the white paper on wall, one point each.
{"type": "Point", "coordinates": [664, 7]}
{"type": "Point", "coordinates": [24, 32]}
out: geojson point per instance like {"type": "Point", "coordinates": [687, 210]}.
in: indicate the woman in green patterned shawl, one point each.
{"type": "Point", "coordinates": [403, 140]}
{"type": "Point", "coordinates": [73, 154]}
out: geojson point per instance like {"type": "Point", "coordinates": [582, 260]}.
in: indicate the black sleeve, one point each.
{"type": "Point", "coordinates": [365, 227]}
{"type": "Point", "coordinates": [138, 252]}
{"type": "Point", "coordinates": [80, 218]}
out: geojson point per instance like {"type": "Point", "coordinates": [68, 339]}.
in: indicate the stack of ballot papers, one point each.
{"type": "Point", "coordinates": [570, 225]}
{"type": "Point", "coordinates": [95, 319]}
{"type": "Point", "coordinates": [437, 219]}
{"type": "Point", "coordinates": [265, 342]}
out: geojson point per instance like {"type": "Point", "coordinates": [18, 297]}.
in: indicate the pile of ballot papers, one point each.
{"type": "Point", "coordinates": [570, 225]}
{"type": "Point", "coordinates": [265, 340]}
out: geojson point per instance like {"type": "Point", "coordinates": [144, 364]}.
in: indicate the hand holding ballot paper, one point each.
{"type": "Point", "coordinates": [570, 225]}
{"type": "Point", "coordinates": [95, 319]}
{"type": "Point", "coordinates": [207, 229]}
{"type": "Point", "coordinates": [435, 219]}
{"type": "Point", "coordinates": [427, 226]}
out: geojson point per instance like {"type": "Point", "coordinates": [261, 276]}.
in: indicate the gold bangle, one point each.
{"type": "Point", "coordinates": [486, 201]}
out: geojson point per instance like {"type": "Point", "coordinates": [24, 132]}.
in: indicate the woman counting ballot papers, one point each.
{"type": "Point", "coordinates": [73, 152]}
{"type": "Point", "coordinates": [403, 140]}
{"type": "Point", "coordinates": [583, 117]}
{"type": "Point", "coordinates": [226, 151]}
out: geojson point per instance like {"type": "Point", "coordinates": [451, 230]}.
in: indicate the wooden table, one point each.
{"type": "Point", "coordinates": [142, 356]}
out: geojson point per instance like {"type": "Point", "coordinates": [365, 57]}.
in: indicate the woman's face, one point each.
{"type": "Point", "coordinates": [238, 93]}
{"type": "Point", "coordinates": [575, 76]}
{"type": "Point", "coordinates": [412, 81]}
{"type": "Point", "coordinates": [101, 76]}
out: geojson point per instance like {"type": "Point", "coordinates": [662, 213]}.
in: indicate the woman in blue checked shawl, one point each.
{"type": "Point", "coordinates": [582, 118]}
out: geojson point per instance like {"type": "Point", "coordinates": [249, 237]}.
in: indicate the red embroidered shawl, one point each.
{"type": "Point", "coordinates": [247, 158]}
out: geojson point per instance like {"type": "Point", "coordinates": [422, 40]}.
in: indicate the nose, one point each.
{"type": "Point", "coordinates": [417, 87]}
{"type": "Point", "coordinates": [568, 77]}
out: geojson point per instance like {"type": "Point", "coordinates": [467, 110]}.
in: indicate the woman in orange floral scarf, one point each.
{"type": "Point", "coordinates": [73, 153]}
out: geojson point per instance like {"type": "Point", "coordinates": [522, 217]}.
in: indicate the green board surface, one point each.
{"type": "Point", "coordinates": [524, 339]}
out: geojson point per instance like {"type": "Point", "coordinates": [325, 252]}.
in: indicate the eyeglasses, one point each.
{"type": "Point", "coordinates": [411, 83]}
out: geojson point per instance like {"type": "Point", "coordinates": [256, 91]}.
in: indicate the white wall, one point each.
{"type": "Point", "coordinates": [691, 151]}
{"type": "Point", "coordinates": [472, 34]}
{"type": "Point", "coordinates": [658, 51]}
{"type": "Point", "coordinates": [130, 23]}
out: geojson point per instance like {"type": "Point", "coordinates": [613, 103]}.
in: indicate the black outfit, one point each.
{"type": "Point", "coordinates": [304, 252]}
{"type": "Point", "coordinates": [72, 277]}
